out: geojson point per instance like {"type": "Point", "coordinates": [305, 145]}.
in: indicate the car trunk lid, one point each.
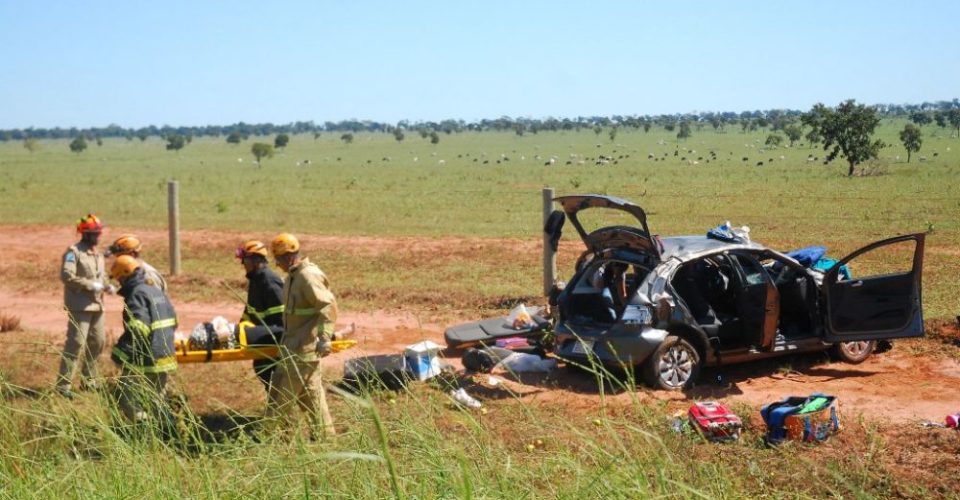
{"type": "Point", "coordinates": [598, 237]}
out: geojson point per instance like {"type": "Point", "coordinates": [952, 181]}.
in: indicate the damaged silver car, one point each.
{"type": "Point", "coordinates": [668, 306]}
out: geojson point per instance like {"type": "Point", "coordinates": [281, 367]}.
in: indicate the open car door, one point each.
{"type": "Point", "coordinates": [882, 306]}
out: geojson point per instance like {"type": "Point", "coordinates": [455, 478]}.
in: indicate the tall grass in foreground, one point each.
{"type": "Point", "coordinates": [414, 444]}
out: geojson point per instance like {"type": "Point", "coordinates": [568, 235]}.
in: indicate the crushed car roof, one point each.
{"type": "Point", "coordinates": [688, 247]}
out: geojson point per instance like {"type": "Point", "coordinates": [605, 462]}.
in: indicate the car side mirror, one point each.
{"type": "Point", "coordinates": [554, 228]}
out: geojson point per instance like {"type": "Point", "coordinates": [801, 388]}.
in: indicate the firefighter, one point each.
{"type": "Point", "coordinates": [84, 282]}
{"type": "Point", "coordinates": [310, 311]}
{"type": "Point", "coordinates": [264, 304]}
{"type": "Point", "coordinates": [145, 351]}
{"type": "Point", "coordinates": [129, 244]}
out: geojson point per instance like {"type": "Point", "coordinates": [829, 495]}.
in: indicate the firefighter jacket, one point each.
{"type": "Point", "coordinates": [310, 309]}
{"type": "Point", "coordinates": [153, 277]}
{"type": "Point", "coordinates": [264, 298]}
{"type": "Point", "coordinates": [147, 343]}
{"type": "Point", "coordinates": [81, 266]}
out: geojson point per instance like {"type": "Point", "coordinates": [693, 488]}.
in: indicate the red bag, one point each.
{"type": "Point", "coordinates": [715, 421]}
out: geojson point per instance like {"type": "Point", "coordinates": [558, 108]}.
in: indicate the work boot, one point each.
{"type": "Point", "coordinates": [65, 392]}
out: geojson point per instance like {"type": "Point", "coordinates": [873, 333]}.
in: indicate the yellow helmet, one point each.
{"type": "Point", "coordinates": [252, 247]}
{"type": "Point", "coordinates": [283, 244]}
{"type": "Point", "coordinates": [125, 244]}
{"type": "Point", "coordinates": [123, 267]}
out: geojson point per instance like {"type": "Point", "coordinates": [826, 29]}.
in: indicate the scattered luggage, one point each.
{"type": "Point", "coordinates": [462, 397]}
{"type": "Point", "coordinates": [715, 421]}
{"type": "Point", "coordinates": [807, 419]}
{"type": "Point", "coordinates": [513, 343]}
{"type": "Point", "coordinates": [422, 359]}
{"type": "Point", "coordinates": [953, 421]}
{"type": "Point", "coordinates": [383, 371]}
{"type": "Point", "coordinates": [520, 362]}
{"type": "Point", "coordinates": [485, 358]}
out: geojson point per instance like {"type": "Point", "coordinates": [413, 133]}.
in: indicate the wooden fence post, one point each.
{"type": "Point", "coordinates": [173, 211]}
{"type": "Point", "coordinates": [549, 255]}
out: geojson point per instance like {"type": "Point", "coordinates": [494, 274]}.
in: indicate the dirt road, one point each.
{"type": "Point", "coordinates": [894, 386]}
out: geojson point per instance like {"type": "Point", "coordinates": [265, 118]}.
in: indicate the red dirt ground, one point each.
{"type": "Point", "coordinates": [894, 387]}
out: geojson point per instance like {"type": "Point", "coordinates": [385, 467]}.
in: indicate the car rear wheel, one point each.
{"type": "Point", "coordinates": [673, 366]}
{"type": "Point", "coordinates": [854, 352]}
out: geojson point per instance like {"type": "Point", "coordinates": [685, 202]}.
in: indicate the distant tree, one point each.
{"type": "Point", "coordinates": [316, 135]}
{"type": "Point", "coordinates": [646, 126]}
{"type": "Point", "coordinates": [398, 134]}
{"type": "Point", "coordinates": [670, 126]}
{"type": "Point", "coordinates": [684, 131]}
{"type": "Point", "coordinates": [347, 138]}
{"type": "Point", "coordinates": [774, 140]}
{"type": "Point", "coordinates": [99, 141]}
{"type": "Point", "coordinates": [847, 131]}
{"type": "Point", "coordinates": [31, 144]}
{"type": "Point", "coordinates": [715, 123]}
{"type": "Point", "coordinates": [281, 141]}
{"type": "Point", "coordinates": [910, 137]}
{"type": "Point", "coordinates": [941, 118]}
{"type": "Point", "coordinates": [424, 133]}
{"type": "Point", "coordinates": [233, 138]}
{"type": "Point", "coordinates": [920, 118]}
{"type": "Point", "coordinates": [597, 129]}
{"type": "Point", "coordinates": [142, 135]}
{"type": "Point", "coordinates": [176, 142]}
{"type": "Point", "coordinates": [953, 116]}
{"type": "Point", "coordinates": [613, 134]}
{"type": "Point", "coordinates": [434, 137]}
{"type": "Point", "coordinates": [794, 133]}
{"type": "Point", "coordinates": [78, 144]}
{"type": "Point", "coordinates": [518, 129]}
{"type": "Point", "coordinates": [261, 150]}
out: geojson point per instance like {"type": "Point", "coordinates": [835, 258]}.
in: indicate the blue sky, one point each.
{"type": "Point", "coordinates": [94, 63]}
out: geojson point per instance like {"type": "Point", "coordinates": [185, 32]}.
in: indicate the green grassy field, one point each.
{"type": "Point", "coordinates": [378, 187]}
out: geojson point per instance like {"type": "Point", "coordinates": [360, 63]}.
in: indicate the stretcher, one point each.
{"type": "Point", "coordinates": [243, 350]}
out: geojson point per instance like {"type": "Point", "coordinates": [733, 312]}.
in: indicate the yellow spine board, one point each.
{"type": "Point", "coordinates": [242, 353]}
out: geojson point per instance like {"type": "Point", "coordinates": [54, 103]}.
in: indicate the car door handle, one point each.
{"type": "Point", "coordinates": [856, 284]}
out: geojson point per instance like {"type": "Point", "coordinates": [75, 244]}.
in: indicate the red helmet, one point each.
{"type": "Point", "coordinates": [89, 224]}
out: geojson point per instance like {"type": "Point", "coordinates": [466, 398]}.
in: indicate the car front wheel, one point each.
{"type": "Point", "coordinates": [673, 366]}
{"type": "Point", "coordinates": [854, 352]}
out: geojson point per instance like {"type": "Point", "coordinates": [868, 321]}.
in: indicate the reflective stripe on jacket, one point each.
{"type": "Point", "coordinates": [149, 321]}
{"type": "Point", "coordinates": [310, 309]}
{"type": "Point", "coordinates": [80, 267]}
{"type": "Point", "coordinates": [264, 298]}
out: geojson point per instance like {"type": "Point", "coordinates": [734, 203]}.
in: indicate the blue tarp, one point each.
{"type": "Point", "coordinates": [808, 256]}
{"type": "Point", "coordinates": [814, 257]}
